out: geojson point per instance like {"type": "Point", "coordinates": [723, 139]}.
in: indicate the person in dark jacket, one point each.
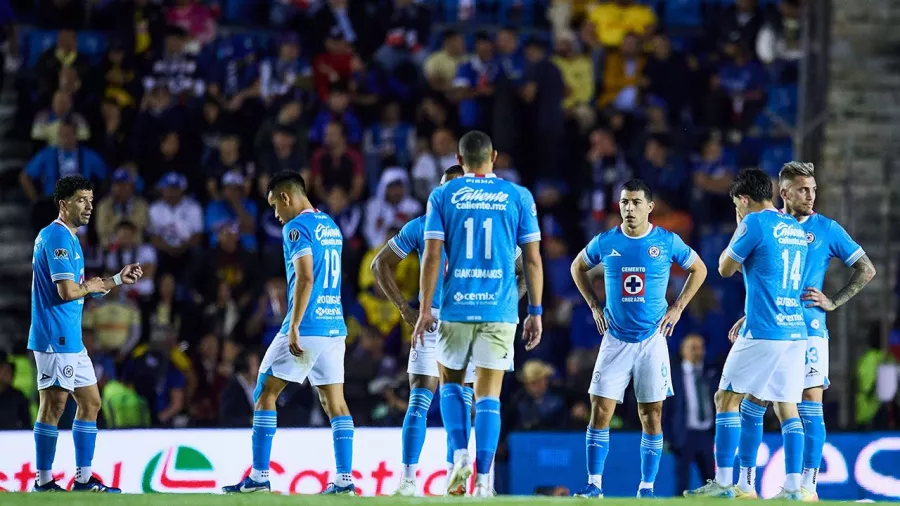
{"type": "Point", "coordinates": [236, 404]}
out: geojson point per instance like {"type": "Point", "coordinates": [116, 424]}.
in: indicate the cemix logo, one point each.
{"type": "Point", "coordinates": [179, 469]}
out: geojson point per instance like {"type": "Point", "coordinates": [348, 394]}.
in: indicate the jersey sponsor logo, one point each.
{"type": "Point", "coordinates": [61, 254]}
{"type": "Point", "coordinates": [478, 273]}
{"type": "Point", "coordinates": [474, 297]}
{"type": "Point", "coordinates": [322, 312]}
{"type": "Point", "coordinates": [782, 318]}
{"type": "Point", "coordinates": [329, 236]}
{"type": "Point", "coordinates": [68, 371]}
{"type": "Point", "coordinates": [810, 237]}
{"type": "Point", "coordinates": [633, 284]}
{"type": "Point", "coordinates": [788, 234]}
{"type": "Point", "coordinates": [653, 252]}
{"type": "Point", "coordinates": [294, 235]}
{"type": "Point", "coordinates": [615, 254]}
{"type": "Point", "coordinates": [468, 198]}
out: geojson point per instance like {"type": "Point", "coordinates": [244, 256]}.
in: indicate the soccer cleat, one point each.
{"type": "Point", "coordinates": [590, 491]}
{"type": "Point", "coordinates": [483, 491]}
{"type": "Point", "coordinates": [94, 485]}
{"type": "Point", "coordinates": [456, 482]}
{"type": "Point", "coordinates": [785, 495]}
{"type": "Point", "coordinates": [407, 488]}
{"type": "Point", "coordinates": [334, 489]}
{"type": "Point", "coordinates": [646, 493]}
{"type": "Point", "coordinates": [740, 494]}
{"type": "Point", "coordinates": [711, 489]}
{"type": "Point", "coordinates": [809, 496]}
{"type": "Point", "coordinates": [248, 486]}
{"type": "Point", "coordinates": [50, 486]}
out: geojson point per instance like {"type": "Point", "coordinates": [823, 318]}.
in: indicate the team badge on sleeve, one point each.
{"type": "Point", "coordinates": [294, 235]}
{"type": "Point", "coordinates": [741, 230]}
{"type": "Point", "coordinates": [61, 254]}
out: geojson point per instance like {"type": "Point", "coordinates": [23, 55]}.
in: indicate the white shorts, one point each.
{"type": "Point", "coordinates": [322, 360]}
{"type": "Point", "coordinates": [768, 370]}
{"type": "Point", "coordinates": [647, 362]}
{"type": "Point", "coordinates": [488, 345]}
{"type": "Point", "coordinates": [423, 359]}
{"type": "Point", "coordinates": [816, 363]}
{"type": "Point", "coordinates": [65, 370]}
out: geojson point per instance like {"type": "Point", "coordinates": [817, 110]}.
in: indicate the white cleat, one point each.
{"type": "Point", "coordinates": [457, 482]}
{"type": "Point", "coordinates": [483, 491]}
{"type": "Point", "coordinates": [407, 488]}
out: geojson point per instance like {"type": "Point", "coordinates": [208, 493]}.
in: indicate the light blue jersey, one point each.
{"type": "Point", "coordinates": [314, 233]}
{"type": "Point", "coordinates": [772, 248]}
{"type": "Point", "coordinates": [481, 220]}
{"type": "Point", "coordinates": [827, 240]}
{"type": "Point", "coordinates": [636, 272]}
{"type": "Point", "coordinates": [55, 323]}
{"type": "Point", "coordinates": [412, 238]}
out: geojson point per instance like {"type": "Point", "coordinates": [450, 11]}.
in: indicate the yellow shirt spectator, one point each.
{"type": "Point", "coordinates": [578, 75]}
{"type": "Point", "coordinates": [407, 274]}
{"type": "Point", "coordinates": [116, 322]}
{"type": "Point", "coordinates": [612, 20]}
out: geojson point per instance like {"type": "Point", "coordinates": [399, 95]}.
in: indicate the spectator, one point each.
{"type": "Point", "coordinates": [118, 73]}
{"type": "Point", "coordinates": [504, 168]}
{"type": "Point", "coordinates": [67, 158]}
{"type": "Point", "coordinates": [175, 68]}
{"type": "Point", "coordinates": [334, 66]}
{"type": "Point", "coordinates": [781, 39]}
{"type": "Point", "coordinates": [46, 123]}
{"type": "Point", "coordinates": [506, 113]}
{"type": "Point", "coordinates": [677, 221]}
{"type": "Point", "coordinates": [221, 315]}
{"type": "Point", "coordinates": [338, 112]}
{"type": "Point", "coordinates": [237, 400]}
{"type": "Point", "coordinates": [543, 93]}
{"type": "Point", "coordinates": [349, 217]}
{"type": "Point", "coordinates": [442, 66]}
{"type": "Point", "coordinates": [737, 89]}
{"type": "Point", "coordinates": [127, 249]}
{"type": "Point", "coordinates": [230, 263]}
{"type": "Point", "coordinates": [389, 142]}
{"type": "Point", "coordinates": [712, 175]}
{"type": "Point", "coordinates": [392, 206]}
{"type": "Point", "coordinates": [740, 21]}
{"type": "Point", "coordinates": [535, 407]}
{"type": "Point", "coordinates": [614, 20]}
{"type": "Point", "coordinates": [664, 172]}
{"type": "Point", "coordinates": [64, 55]}
{"type": "Point", "coordinates": [121, 205]}
{"type": "Point", "coordinates": [158, 118]}
{"type": "Point", "coordinates": [689, 422]}
{"type": "Point", "coordinates": [577, 71]}
{"type": "Point", "coordinates": [116, 322]}
{"type": "Point", "coordinates": [337, 18]}
{"type": "Point", "coordinates": [113, 144]}
{"type": "Point", "coordinates": [269, 314]}
{"type": "Point", "coordinates": [368, 371]}
{"type": "Point", "coordinates": [284, 154]}
{"type": "Point", "coordinates": [195, 19]}
{"type": "Point", "coordinates": [336, 164]}
{"type": "Point", "coordinates": [404, 26]}
{"type": "Point", "coordinates": [473, 86]}
{"type": "Point", "coordinates": [607, 170]}
{"type": "Point", "coordinates": [228, 162]}
{"type": "Point", "coordinates": [622, 74]}
{"type": "Point", "coordinates": [15, 413]}
{"type": "Point", "coordinates": [60, 14]}
{"type": "Point", "coordinates": [176, 224]}
{"type": "Point", "coordinates": [123, 408]}
{"type": "Point", "coordinates": [668, 76]}
{"type": "Point", "coordinates": [288, 70]}
{"type": "Point", "coordinates": [430, 164]}
{"type": "Point", "coordinates": [204, 401]}
{"type": "Point", "coordinates": [233, 208]}
{"type": "Point", "coordinates": [158, 379]}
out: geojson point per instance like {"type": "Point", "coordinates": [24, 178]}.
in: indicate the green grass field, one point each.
{"type": "Point", "coordinates": [69, 499]}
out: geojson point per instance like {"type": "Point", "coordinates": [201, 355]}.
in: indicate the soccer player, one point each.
{"type": "Point", "coordinates": [478, 219]}
{"type": "Point", "coordinates": [310, 343]}
{"type": "Point", "coordinates": [58, 290]}
{"type": "Point", "coordinates": [423, 366]}
{"type": "Point", "coordinates": [637, 258]}
{"type": "Point", "coordinates": [766, 360]}
{"type": "Point", "coordinates": [826, 240]}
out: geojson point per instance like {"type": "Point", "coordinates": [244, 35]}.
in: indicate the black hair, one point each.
{"type": "Point", "coordinates": [454, 170]}
{"type": "Point", "coordinates": [242, 361]}
{"type": "Point", "coordinates": [68, 186]}
{"type": "Point", "coordinates": [475, 148]}
{"type": "Point", "coordinates": [126, 224]}
{"type": "Point", "coordinates": [482, 35]}
{"type": "Point", "coordinates": [286, 179]}
{"type": "Point", "coordinates": [638, 185]}
{"type": "Point", "coordinates": [450, 34]}
{"type": "Point", "coordinates": [752, 183]}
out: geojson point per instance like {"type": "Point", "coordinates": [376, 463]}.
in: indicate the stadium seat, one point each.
{"type": "Point", "coordinates": [774, 155]}
{"type": "Point", "coordinates": [683, 13]}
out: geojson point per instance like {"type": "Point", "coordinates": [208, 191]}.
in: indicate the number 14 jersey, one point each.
{"type": "Point", "coordinates": [314, 233]}
{"type": "Point", "coordinates": [481, 220]}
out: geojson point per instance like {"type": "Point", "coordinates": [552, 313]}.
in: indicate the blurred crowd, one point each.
{"type": "Point", "coordinates": [180, 112]}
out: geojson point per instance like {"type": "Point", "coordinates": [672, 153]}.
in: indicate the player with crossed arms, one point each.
{"type": "Point", "coordinates": [478, 219]}
{"type": "Point", "coordinates": [637, 258]}
{"type": "Point", "coordinates": [826, 240]}
{"type": "Point", "coordinates": [766, 360]}
{"type": "Point", "coordinates": [423, 365]}
{"type": "Point", "coordinates": [58, 290]}
{"type": "Point", "coordinates": [311, 342]}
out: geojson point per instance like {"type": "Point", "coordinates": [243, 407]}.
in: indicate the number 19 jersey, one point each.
{"type": "Point", "coordinates": [481, 220]}
{"type": "Point", "coordinates": [772, 248]}
{"type": "Point", "coordinates": [313, 233]}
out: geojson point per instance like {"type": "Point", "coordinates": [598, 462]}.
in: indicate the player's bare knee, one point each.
{"type": "Point", "coordinates": [754, 400]}
{"type": "Point", "coordinates": [651, 417]}
{"type": "Point", "coordinates": [601, 413]}
{"type": "Point", "coordinates": [51, 409]}
{"type": "Point", "coordinates": [422, 381]}
{"type": "Point", "coordinates": [88, 407]}
{"type": "Point", "coordinates": [813, 394]}
{"type": "Point", "coordinates": [727, 401]}
{"type": "Point", "coordinates": [785, 410]}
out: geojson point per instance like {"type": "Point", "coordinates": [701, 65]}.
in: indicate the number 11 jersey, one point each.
{"type": "Point", "coordinates": [314, 233]}
{"type": "Point", "coordinates": [481, 220]}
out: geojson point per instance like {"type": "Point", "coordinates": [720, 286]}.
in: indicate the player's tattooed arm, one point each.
{"type": "Point", "coordinates": [383, 267]}
{"type": "Point", "coordinates": [69, 290]}
{"type": "Point", "coordinates": [521, 285]}
{"type": "Point", "coordinates": [863, 272]}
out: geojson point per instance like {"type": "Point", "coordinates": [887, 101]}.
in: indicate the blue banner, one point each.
{"type": "Point", "coordinates": [854, 466]}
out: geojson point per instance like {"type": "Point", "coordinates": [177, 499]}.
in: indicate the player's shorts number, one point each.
{"type": "Point", "coordinates": [488, 226]}
{"type": "Point", "coordinates": [812, 356]}
{"type": "Point", "coordinates": [332, 268]}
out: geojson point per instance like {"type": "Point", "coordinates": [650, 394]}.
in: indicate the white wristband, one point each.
{"type": "Point", "coordinates": [117, 279]}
